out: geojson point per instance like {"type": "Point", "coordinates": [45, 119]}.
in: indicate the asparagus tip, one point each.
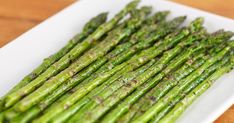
{"type": "Point", "coordinates": [222, 34]}
{"type": "Point", "coordinates": [200, 19]}
{"type": "Point", "coordinates": [180, 18]}
{"type": "Point", "coordinates": [147, 9]}
{"type": "Point", "coordinates": [166, 12]}
{"type": "Point", "coordinates": [133, 4]}
{"type": "Point", "coordinates": [103, 15]}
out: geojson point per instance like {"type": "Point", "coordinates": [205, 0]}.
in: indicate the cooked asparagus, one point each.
{"type": "Point", "coordinates": [78, 93]}
{"type": "Point", "coordinates": [206, 73]}
{"type": "Point", "coordinates": [133, 68]}
{"type": "Point", "coordinates": [65, 60]}
{"type": "Point", "coordinates": [181, 85]}
{"type": "Point", "coordinates": [195, 93]}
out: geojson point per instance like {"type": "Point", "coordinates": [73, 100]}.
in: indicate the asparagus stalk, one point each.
{"type": "Point", "coordinates": [163, 87]}
{"type": "Point", "coordinates": [131, 75]}
{"type": "Point", "coordinates": [160, 90]}
{"type": "Point", "coordinates": [104, 95]}
{"type": "Point", "coordinates": [195, 93]}
{"type": "Point", "coordinates": [125, 90]}
{"type": "Point", "coordinates": [138, 72]}
{"type": "Point", "coordinates": [142, 33]}
{"type": "Point", "coordinates": [141, 69]}
{"type": "Point", "coordinates": [125, 105]}
{"type": "Point", "coordinates": [70, 56]}
{"type": "Point", "coordinates": [89, 86]}
{"type": "Point", "coordinates": [83, 101]}
{"type": "Point", "coordinates": [89, 28]}
{"type": "Point", "coordinates": [134, 83]}
{"type": "Point", "coordinates": [154, 95]}
{"type": "Point", "coordinates": [147, 28]}
{"type": "Point", "coordinates": [87, 58]}
{"type": "Point", "coordinates": [109, 90]}
{"type": "Point", "coordinates": [34, 111]}
{"type": "Point", "coordinates": [190, 87]}
{"type": "Point", "coordinates": [186, 69]}
{"type": "Point", "coordinates": [96, 52]}
{"type": "Point", "coordinates": [72, 82]}
{"type": "Point", "coordinates": [181, 85]}
{"type": "Point", "coordinates": [126, 77]}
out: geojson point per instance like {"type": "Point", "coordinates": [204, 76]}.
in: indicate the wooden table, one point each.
{"type": "Point", "coordinates": [18, 16]}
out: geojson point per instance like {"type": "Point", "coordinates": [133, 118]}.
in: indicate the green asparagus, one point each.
{"type": "Point", "coordinates": [90, 56]}
{"type": "Point", "coordinates": [79, 77]}
{"type": "Point", "coordinates": [89, 28]}
{"type": "Point", "coordinates": [118, 83]}
{"type": "Point", "coordinates": [160, 16]}
{"type": "Point", "coordinates": [111, 117]}
{"type": "Point", "coordinates": [94, 53]}
{"type": "Point", "coordinates": [70, 56]}
{"type": "Point", "coordinates": [176, 22]}
{"type": "Point", "coordinates": [187, 68]}
{"type": "Point", "coordinates": [125, 105]}
{"type": "Point", "coordinates": [122, 92]}
{"type": "Point", "coordinates": [150, 26]}
{"type": "Point", "coordinates": [181, 85]}
{"type": "Point", "coordinates": [133, 68]}
{"type": "Point", "coordinates": [164, 86]}
{"type": "Point", "coordinates": [206, 73]}
{"type": "Point", "coordinates": [195, 93]}
{"type": "Point", "coordinates": [132, 84]}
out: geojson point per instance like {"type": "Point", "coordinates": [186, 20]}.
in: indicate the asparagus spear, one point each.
{"type": "Point", "coordinates": [126, 77]}
{"type": "Point", "coordinates": [195, 93]}
{"type": "Point", "coordinates": [62, 89]}
{"type": "Point", "coordinates": [101, 88]}
{"type": "Point", "coordinates": [138, 71]}
{"type": "Point", "coordinates": [101, 96]}
{"type": "Point", "coordinates": [89, 28]}
{"type": "Point", "coordinates": [163, 87]}
{"type": "Point", "coordinates": [150, 26]}
{"type": "Point", "coordinates": [125, 90]}
{"type": "Point", "coordinates": [142, 33]}
{"type": "Point", "coordinates": [87, 58]}
{"type": "Point", "coordinates": [89, 86]}
{"type": "Point", "coordinates": [120, 72]}
{"type": "Point", "coordinates": [79, 77]}
{"type": "Point", "coordinates": [70, 56]}
{"type": "Point", "coordinates": [157, 92]}
{"type": "Point", "coordinates": [131, 85]}
{"type": "Point", "coordinates": [96, 52]}
{"type": "Point", "coordinates": [187, 68]}
{"type": "Point", "coordinates": [139, 36]}
{"type": "Point", "coordinates": [188, 88]}
{"type": "Point", "coordinates": [206, 73]}
{"type": "Point", "coordinates": [109, 90]}
{"type": "Point", "coordinates": [181, 85]}
{"type": "Point", "coordinates": [152, 97]}
{"type": "Point", "coordinates": [72, 82]}
{"type": "Point", "coordinates": [125, 105]}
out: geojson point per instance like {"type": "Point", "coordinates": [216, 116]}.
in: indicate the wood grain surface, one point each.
{"type": "Point", "coordinates": [18, 16]}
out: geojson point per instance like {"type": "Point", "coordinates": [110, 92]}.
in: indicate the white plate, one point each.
{"type": "Point", "coordinates": [23, 54]}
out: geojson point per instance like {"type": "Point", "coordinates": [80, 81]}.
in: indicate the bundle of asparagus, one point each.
{"type": "Point", "coordinates": [142, 69]}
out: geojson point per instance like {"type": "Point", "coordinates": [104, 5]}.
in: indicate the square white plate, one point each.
{"type": "Point", "coordinates": [23, 54]}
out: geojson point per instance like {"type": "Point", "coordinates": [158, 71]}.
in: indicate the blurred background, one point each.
{"type": "Point", "coordinates": [18, 16]}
